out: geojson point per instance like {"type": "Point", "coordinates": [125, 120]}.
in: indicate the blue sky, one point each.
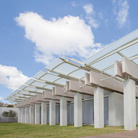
{"type": "Point", "coordinates": [33, 33]}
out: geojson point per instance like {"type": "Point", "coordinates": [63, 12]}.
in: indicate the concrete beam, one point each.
{"type": "Point", "coordinates": [48, 95]}
{"type": "Point", "coordinates": [59, 91]}
{"type": "Point", "coordinates": [80, 87]}
{"type": "Point", "coordinates": [40, 98]}
{"type": "Point", "coordinates": [99, 79]}
{"type": "Point", "coordinates": [118, 69]}
{"type": "Point", "coordinates": [130, 68]}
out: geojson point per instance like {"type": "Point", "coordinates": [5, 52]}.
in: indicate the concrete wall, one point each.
{"type": "Point", "coordinates": [2, 119]}
{"type": "Point", "coordinates": [116, 109]}
{"type": "Point", "coordinates": [87, 111]}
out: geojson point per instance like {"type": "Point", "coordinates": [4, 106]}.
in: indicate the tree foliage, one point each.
{"type": "Point", "coordinates": [10, 105]}
{"type": "Point", "coordinates": [10, 114]}
{"type": "Point", "coordinates": [5, 114]}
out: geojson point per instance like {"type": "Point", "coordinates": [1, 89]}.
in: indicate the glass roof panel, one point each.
{"type": "Point", "coordinates": [49, 77]}
{"type": "Point", "coordinates": [136, 61]}
{"type": "Point", "coordinates": [39, 74]}
{"type": "Point", "coordinates": [49, 86]}
{"type": "Point", "coordinates": [78, 74]}
{"type": "Point", "coordinates": [22, 87]}
{"type": "Point", "coordinates": [16, 91]}
{"type": "Point", "coordinates": [29, 81]}
{"type": "Point", "coordinates": [107, 61]}
{"type": "Point", "coordinates": [113, 46]}
{"type": "Point", "coordinates": [39, 90]}
{"type": "Point", "coordinates": [30, 88]}
{"type": "Point", "coordinates": [38, 84]}
{"type": "Point", "coordinates": [65, 68]}
{"type": "Point", "coordinates": [24, 92]}
{"type": "Point", "coordinates": [54, 64]}
{"type": "Point", "coordinates": [130, 51]}
{"type": "Point", "coordinates": [61, 81]}
{"type": "Point", "coordinates": [110, 71]}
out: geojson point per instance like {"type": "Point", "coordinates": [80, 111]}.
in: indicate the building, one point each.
{"type": "Point", "coordinates": [102, 90]}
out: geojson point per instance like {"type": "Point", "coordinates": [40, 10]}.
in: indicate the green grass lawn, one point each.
{"type": "Point", "coordinates": [18, 130]}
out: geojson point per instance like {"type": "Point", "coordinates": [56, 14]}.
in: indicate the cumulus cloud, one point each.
{"type": "Point", "coordinates": [121, 11]}
{"type": "Point", "coordinates": [89, 10]}
{"type": "Point", "coordinates": [11, 77]}
{"type": "Point", "coordinates": [67, 36]}
{"type": "Point", "coordinates": [1, 98]}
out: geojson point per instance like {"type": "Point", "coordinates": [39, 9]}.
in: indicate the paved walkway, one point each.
{"type": "Point", "coordinates": [127, 134]}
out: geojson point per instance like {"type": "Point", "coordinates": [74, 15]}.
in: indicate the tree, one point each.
{"type": "Point", "coordinates": [7, 115]}
{"type": "Point", "coordinates": [12, 114]}
{"type": "Point", "coordinates": [10, 105]}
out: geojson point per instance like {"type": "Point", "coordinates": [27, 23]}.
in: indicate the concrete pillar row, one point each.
{"type": "Point", "coordinates": [77, 110]}
{"type": "Point", "coordinates": [52, 112]}
{"type": "Point", "coordinates": [98, 108]}
{"type": "Point", "coordinates": [129, 104]}
{"type": "Point", "coordinates": [37, 113]}
{"type": "Point", "coordinates": [43, 113]}
{"type": "Point", "coordinates": [63, 111]}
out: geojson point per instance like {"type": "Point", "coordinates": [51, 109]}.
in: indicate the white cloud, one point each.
{"type": "Point", "coordinates": [94, 23]}
{"type": "Point", "coordinates": [1, 98]}
{"type": "Point", "coordinates": [67, 36]}
{"type": "Point", "coordinates": [89, 10]}
{"type": "Point", "coordinates": [121, 11]}
{"type": "Point", "coordinates": [11, 77]}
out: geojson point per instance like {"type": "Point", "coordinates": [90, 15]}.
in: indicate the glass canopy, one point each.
{"type": "Point", "coordinates": [64, 69]}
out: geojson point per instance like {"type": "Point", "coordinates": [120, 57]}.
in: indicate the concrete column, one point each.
{"type": "Point", "coordinates": [63, 111]}
{"type": "Point", "coordinates": [137, 111]}
{"type": "Point", "coordinates": [129, 105]}
{"type": "Point", "coordinates": [19, 115]}
{"type": "Point", "coordinates": [43, 113]}
{"type": "Point", "coordinates": [116, 109]}
{"type": "Point", "coordinates": [77, 110]}
{"type": "Point", "coordinates": [32, 115]}
{"type": "Point", "coordinates": [26, 114]}
{"type": "Point", "coordinates": [37, 113]}
{"type": "Point", "coordinates": [98, 107]}
{"type": "Point", "coordinates": [52, 112]}
{"type": "Point", "coordinates": [23, 115]}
